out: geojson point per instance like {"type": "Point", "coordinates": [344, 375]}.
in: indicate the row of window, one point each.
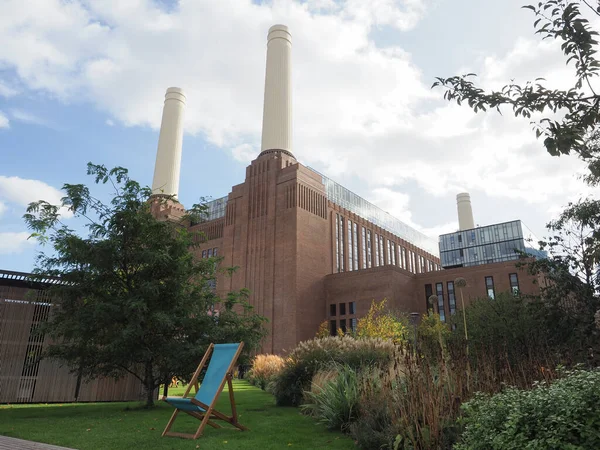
{"type": "Point", "coordinates": [373, 248]}
{"type": "Point", "coordinates": [342, 309]}
{"type": "Point", "coordinates": [342, 324]}
{"type": "Point", "coordinates": [439, 291]}
{"type": "Point", "coordinates": [210, 252]}
{"type": "Point", "coordinates": [514, 285]}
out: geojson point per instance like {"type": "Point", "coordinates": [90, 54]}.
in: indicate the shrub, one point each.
{"type": "Point", "coordinates": [374, 429]}
{"type": "Point", "coordinates": [264, 369]}
{"type": "Point", "coordinates": [559, 415]}
{"type": "Point", "coordinates": [381, 324]}
{"type": "Point", "coordinates": [311, 356]}
{"type": "Point", "coordinates": [334, 402]}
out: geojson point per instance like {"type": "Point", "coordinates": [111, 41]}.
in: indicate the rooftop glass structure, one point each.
{"type": "Point", "coordinates": [345, 198]}
{"type": "Point", "coordinates": [489, 244]}
{"type": "Point", "coordinates": [216, 208]}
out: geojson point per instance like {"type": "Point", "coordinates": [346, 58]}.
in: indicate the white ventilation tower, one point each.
{"type": "Point", "coordinates": [465, 212]}
{"type": "Point", "coordinates": [168, 155]}
{"type": "Point", "coordinates": [277, 111]}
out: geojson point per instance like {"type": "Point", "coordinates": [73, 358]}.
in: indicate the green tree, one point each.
{"type": "Point", "coordinates": [571, 279]}
{"type": "Point", "coordinates": [572, 115]}
{"type": "Point", "coordinates": [132, 298]}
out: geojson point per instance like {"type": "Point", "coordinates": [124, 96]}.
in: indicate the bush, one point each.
{"type": "Point", "coordinates": [311, 356]}
{"type": "Point", "coordinates": [264, 369]}
{"type": "Point", "coordinates": [335, 401]}
{"type": "Point", "coordinates": [559, 415]}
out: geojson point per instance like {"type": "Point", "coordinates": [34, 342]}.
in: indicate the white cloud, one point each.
{"type": "Point", "coordinates": [3, 121]}
{"type": "Point", "coordinates": [6, 90]}
{"type": "Point", "coordinates": [2, 208]}
{"type": "Point", "coordinates": [21, 192]}
{"type": "Point", "coordinates": [359, 110]}
{"type": "Point", "coordinates": [27, 117]}
{"type": "Point", "coordinates": [110, 123]}
{"type": "Point", "coordinates": [14, 242]}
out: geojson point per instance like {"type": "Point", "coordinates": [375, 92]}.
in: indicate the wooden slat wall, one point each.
{"type": "Point", "coordinates": [25, 379]}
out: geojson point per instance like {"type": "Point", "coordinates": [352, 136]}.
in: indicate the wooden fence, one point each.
{"type": "Point", "coordinates": [24, 377]}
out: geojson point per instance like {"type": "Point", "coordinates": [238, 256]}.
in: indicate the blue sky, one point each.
{"type": "Point", "coordinates": [84, 81]}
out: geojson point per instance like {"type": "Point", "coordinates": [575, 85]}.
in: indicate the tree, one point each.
{"type": "Point", "coordinates": [579, 106]}
{"type": "Point", "coordinates": [381, 324]}
{"type": "Point", "coordinates": [571, 277]}
{"type": "Point", "coordinates": [132, 298]}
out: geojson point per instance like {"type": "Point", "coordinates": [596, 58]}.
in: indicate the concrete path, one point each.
{"type": "Point", "coordinates": [8, 443]}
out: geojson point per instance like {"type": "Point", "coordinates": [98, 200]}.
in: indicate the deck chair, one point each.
{"type": "Point", "coordinates": [202, 405]}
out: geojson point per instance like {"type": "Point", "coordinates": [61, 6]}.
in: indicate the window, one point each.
{"type": "Point", "coordinates": [413, 265]}
{"type": "Point", "coordinates": [209, 254]}
{"type": "Point", "coordinates": [376, 249]}
{"type": "Point", "coordinates": [393, 254]}
{"type": "Point", "coordinates": [341, 233]}
{"type": "Point", "coordinates": [203, 253]}
{"type": "Point", "coordinates": [343, 325]}
{"type": "Point", "coordinates": [215, 251]}
{"type": "Point", "coordinates": [451, 298]}
{"type": "Point", "coordinates": [403, 262]}
{"type": "Point", "coordinates": [353, 324]}
{"type": "Point", "coordinates": [337, 243]}
{"type": "Point", "coordinates": [389, 251]}
{"type": "Point", "coordinates": [352, 308]}
{"type": "Point", "coordinates": [489, 286]}
{"type": "Point", "coordinates": [369, 256]}
{"type": "Point", "coordinates": [350, 247]}
{"type": "Point", "coordinates": [428, 293]}
{"type": "Point", "coordinates": [332, 310]}
{"type": "Point", "coordinates": [381, 251]}
{"type": "Point", "coordinates": [514, 283]}
{"type": "Point", "coordinates": [364, 248]}
{"type": "Point", "coordinates": [342, 309]}
{"type": "Point", "coordinates": [355, 241]}
{"type": "Point", "coordinates": [459, 238]}
{"type": "Point", "coordinates": [440, 293]}
{"type": "Point", "coordinates": [332, 328]}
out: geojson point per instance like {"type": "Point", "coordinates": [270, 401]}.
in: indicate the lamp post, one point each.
{"type": "Point", "coordinates": [461, 283]}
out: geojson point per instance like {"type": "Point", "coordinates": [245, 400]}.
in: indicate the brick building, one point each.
{"type": "Point", "coordinates": [308, 249]}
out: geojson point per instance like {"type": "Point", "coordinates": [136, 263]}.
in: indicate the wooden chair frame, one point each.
{"type": "Point", "coordinates": [209, 410]}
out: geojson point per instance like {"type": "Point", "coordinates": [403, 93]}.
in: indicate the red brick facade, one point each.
{"type": "Point", "coordinates": [279, 229]}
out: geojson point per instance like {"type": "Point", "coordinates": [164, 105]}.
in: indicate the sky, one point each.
{"type": "Point", "coordinates": [84, 80]}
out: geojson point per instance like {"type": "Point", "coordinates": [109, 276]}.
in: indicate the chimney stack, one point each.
{"type": "Point", "coordinates": [168, 155]}
{"type": "Point", "coordinates": [465, 212]}
{"type": "Point", "coordinates": [277, 111]}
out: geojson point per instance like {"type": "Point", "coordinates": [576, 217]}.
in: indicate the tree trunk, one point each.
{"type": "Point", "coordinates": [149, 385]}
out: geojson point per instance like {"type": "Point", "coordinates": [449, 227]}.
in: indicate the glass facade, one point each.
{"type": "Point", "coordinates": [345, 198]}
{"type": "Point", "coordinates": [439, 287]}
{"type": "Point", "coordinates": [216, 208]}
{"type": "Point", "coordinates": [451, 298]}
{"type": "Point", "coordinates": [483, 245]}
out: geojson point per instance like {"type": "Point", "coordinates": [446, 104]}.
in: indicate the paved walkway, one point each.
{"type": "Point", "coordinates": [8, 443]}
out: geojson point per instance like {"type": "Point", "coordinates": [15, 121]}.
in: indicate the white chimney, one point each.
{"type": "Point", "coordinates": [277, 112]}
{"type": "Point", "coordinates": [465, 212]}
{"type": "Point", "coordinates": [168, 155]}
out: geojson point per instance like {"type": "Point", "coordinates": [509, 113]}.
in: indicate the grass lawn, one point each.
{"type": "Point", "coordinates": [129, 426]}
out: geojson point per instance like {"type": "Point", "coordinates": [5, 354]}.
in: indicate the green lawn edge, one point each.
{"type": "Point", "coordinates": [127, 425]}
